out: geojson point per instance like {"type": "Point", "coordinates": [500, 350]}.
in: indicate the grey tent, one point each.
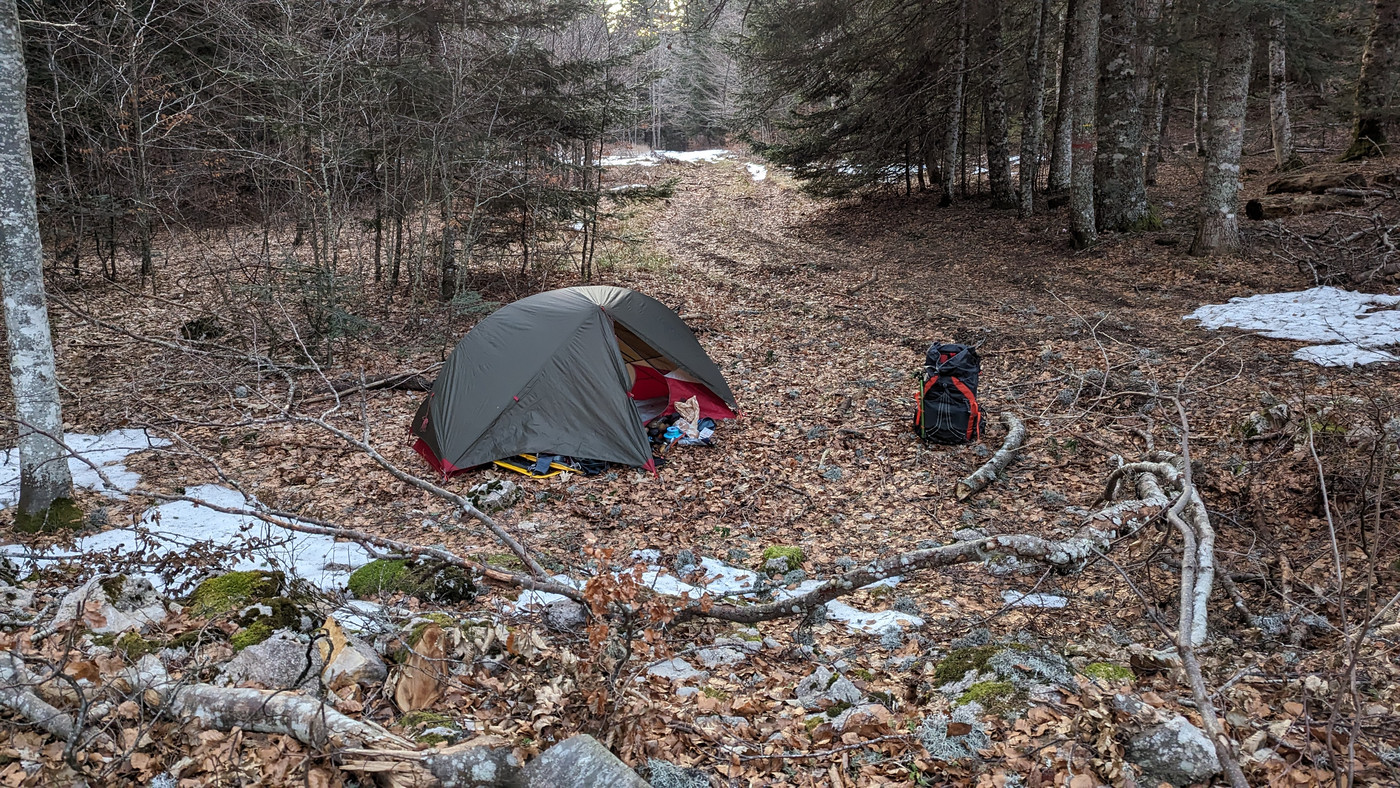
{"type": "Point", "coordinates": [562, 372]}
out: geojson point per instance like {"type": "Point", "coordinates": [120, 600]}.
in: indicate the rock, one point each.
{"type": "Point", "coordinates": [495, 495]}
{"type": "Point", "coordinates": [892, 638]}
{"type": "Point", "coordinates": [240, 391]}
{"type": "Point", "coordinates": [825, 685]}
{"type": "Point", "coordinates": [794, 577]}
{"type": "Point", "coordinates": [832, 474]}
{"type": "Point", "coordinates": [676, 670]}
{"type": "Point", "coordinates": [352, 661]}
{"type": "Point", "coordinates": [565, 614]}
{"type": "Point", "coordinates": [16, 599]}
{"type": "Point", "coordinates": [580, 762]}
{"type": "Point", "coordinates": [861, 714]}
{"type": "Point", "coordinates": [775, 566]}
{"type": "Point", "coordinates": [749, 641]}
{"type": "Point", "coordinates": [791, 555]}
{"type": "Point", "coordinates": [233, 590]}
{"type": "Point", "coordinates": [719, 657]}
{"type": "Point", "coordinates": [686, 692]}
{"type": "Point", "coordinates": [1175, 752]}
{"type": "Point", "coordinates": [112, 604]}
{"type": "Point", "coordinates": [969, 534]}
{"type": "Point", "coordinates": [846, 563]}
{"type": "Point", "coordinates": [275, 663]}
{"type": "Point", "coordinates": [475, 764]}
{"type": "Point", "coordinates": [685, 562]}
{"type": "Point", "coordinates": [665, 774]}
{"type": "Point", "coordinates": [428, 580]}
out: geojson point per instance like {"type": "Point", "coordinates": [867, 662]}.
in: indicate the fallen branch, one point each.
{"type": "Point", "coordinates": [988, 473]}
{"type": "Point", "coordinates": [289, 713]}
{"type": "Point", "coordinates": [875, 277]}
{"type": "Point", "coordinates": [412, 380]}
{"type": "Point", "coordinates": [16, 695]}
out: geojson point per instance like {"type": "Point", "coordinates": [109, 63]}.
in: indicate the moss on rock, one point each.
{"type": "Point", "coordinates": [433, 581]}
{"type": "Point", "coordinates": [227, 593]}
{"type": "Point", "coordinates": [1108, 672]}
{"type": "Point", "coordinates": [989, 694]}
{"type": "Point", "coordinates": [961, 660]}
{"type": "Point", "coordinates": [505, 561]}
{"type": "Point", "coordinates": [62, 514]}
{"type": "Point", "coordinates": [251, 635]}
{"type": "Point", "coordinates": [793, 555]}
{"type": "Point", "coordinates": [134, 647]}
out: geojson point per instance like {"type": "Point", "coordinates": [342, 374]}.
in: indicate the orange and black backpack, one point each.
{"type": "Point", "coordinates": [948, 411]}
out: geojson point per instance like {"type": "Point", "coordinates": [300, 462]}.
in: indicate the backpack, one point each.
{"type": "Point", "coordinates": [948, 411]}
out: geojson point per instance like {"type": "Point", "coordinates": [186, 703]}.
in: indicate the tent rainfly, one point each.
{"type": "Point", "coordinates": [575, 372]}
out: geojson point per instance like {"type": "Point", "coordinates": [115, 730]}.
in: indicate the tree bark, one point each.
{"type": "Point", "coordinates": [1061, 147]}
{"type": "Point", "coordinates": [1155, 129]}
{"type": "Point", "coordinates": [1120, 193]}
{"type": "Point", "coordinates": [1376, 87]}
{"type": "Point", "coordinates": [998, 126]}
{"type": "Point", "coordinates": [1083, 68]}
{"type": "Point", "coordinates": [1280, 125]}
{"type": "Point", "coordinates": [1202, 108]}
{"type": "Point", "coordinates": [1219, 228]}
{"type": "Point", "coordinates": [44, 476]}
{"type": "Point", "coordinates": [952, 135]}
{"type": "Point", "coordinates": [1033, 119]}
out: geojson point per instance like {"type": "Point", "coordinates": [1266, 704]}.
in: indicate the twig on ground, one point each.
{"type": "Point", "coordinates": [980, 478]}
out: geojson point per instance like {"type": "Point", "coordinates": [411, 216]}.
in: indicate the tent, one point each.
{"type": "Point", "coordinates": [574, 372]}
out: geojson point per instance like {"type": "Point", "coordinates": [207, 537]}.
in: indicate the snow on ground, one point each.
{"type": "Point", "coordinates": [181, 529]}
{"type": "Point", "coordinates": [108, 452]}
{"type": "Point", "coordinates": [1047, 601]}
{"type": "Point", "coordinates": [724, 580]}
{"type": "Point", "coordinates": [758, 171]}
{"type": "Point", "coordinates": [1349, 328]}
{"type": "Point", "coordinates": [656, 157]}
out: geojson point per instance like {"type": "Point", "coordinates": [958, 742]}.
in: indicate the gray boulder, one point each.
{"type": "Point", "coordinates": [1175, 752]}
{"type": "Point", "coordinates": [580, 762]}
{"type": "Point", "coordinates": [565, 614]}
{"type": "Point", "coordinates": [719, 657]}
{"type": "Point", "coordinates": [474, 766]}
{"type": "Point", "coordinates": [825, 685]}
{"type": "Point", "coordinates": [676, 669]}
{"type": "Point", "coordinates": [275, 664]}
{"type": "Point", "coordinates": [113, 604]}
{"type": "Point", "coordinates": [495, 495]}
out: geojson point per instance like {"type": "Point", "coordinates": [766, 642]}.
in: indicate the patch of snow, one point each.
{"type": "Point", "coordinates": [694, 156]}
{"type": "Point", "coordinates": [1047, 601]}
{"type": "Point", "coordinates": [870, 623]}
{"type": "Point", "coordinates": [108, 452]}
{"type": "Point", "coordinates": [175, 528]}
{"type": "Point", "coordinates": [646, 160]}
{"type": "Point", "coordinates": [1349, 328]}
{"type": "Point", "coordinates": [758, 171]}
{"type": "Point", "coordinates": [627, 187]}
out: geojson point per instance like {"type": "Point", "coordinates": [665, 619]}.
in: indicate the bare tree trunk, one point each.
{"type": "Point", "coordinates": [1282, 127]}
{"type": "Point", "coordinates": [1120, 194]}
{"type": "Point", "coordinates": [1219, 229]}
{"type": "Point", "coordinates": [998, 126]}
{"type": "Point", "coordinates": [1033, 121]}
{"type": "Point", "coordinates": [1202, 117]}
{"type": "Point", "coordinates": [1376, 85]}
{"type": "Point", "coordinates": [1083, 67]}
{"type": "Point", "coordinates": [953, 134]}
{"type": "Point", "coordinates": [1156, 128]}
{"type": "Point", "coordinates": [44, 476]}
{"type": "Point", "coordinates": [1061, 147]}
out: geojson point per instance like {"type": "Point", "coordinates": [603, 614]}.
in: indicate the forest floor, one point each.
{"type": "Point", "coordinates": [819, 313]}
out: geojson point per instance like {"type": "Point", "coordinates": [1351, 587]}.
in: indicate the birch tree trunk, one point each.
{"type": "Point", "coordinates": [1083, 68]}
{"type": "Point", "coordinates": [1375, 90]}
{"type": "Point", "coordinates": [1062, 146]}
{"type": "Point", "coordinates": [1280, 125]}
{"type": "Point", "coordinates": [1120, 194]}
{"type": "Point", "coordinates": [998, 126]}
{"type": "Point", "coordinates": [44, 476]}
{"type": "Point", "coordinates": [1033, 119]}
{"type": "Point", "coordinates": [1219, 228]}
{"type": "Point", "coordinates": [952, 136]}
